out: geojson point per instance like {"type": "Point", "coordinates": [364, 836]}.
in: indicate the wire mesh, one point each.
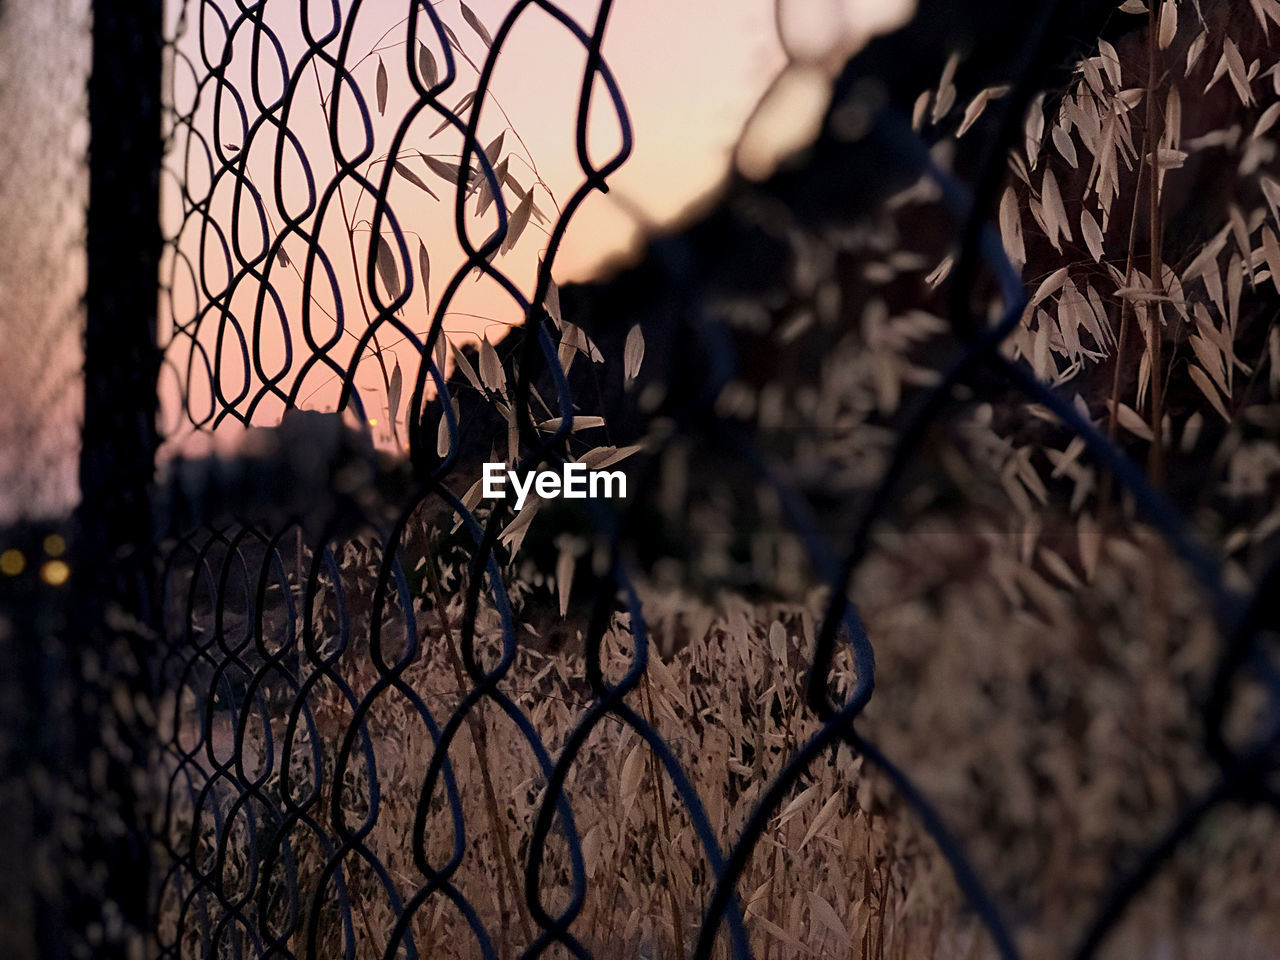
{"type": "Point", "coordinates": [361, 754]}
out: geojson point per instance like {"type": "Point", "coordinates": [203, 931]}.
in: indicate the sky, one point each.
{"type": "Point", "coordinates": [691, 74]}
{"type": "Point", "coordinates": [691, 71]}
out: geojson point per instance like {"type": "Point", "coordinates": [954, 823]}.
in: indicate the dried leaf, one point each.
{"type": "Point", "coordinates": [513, 534]}
{"type": "Point", "coordinates": [826, 915]}
{"type": "Point", "coordinates": [1100, 312]}
{"type": "Point", "coordinates": [825, 815]}
{"type": "Point", "coordinates": [413, 178]}
{"type": "Point", "coordinates": [1132, 421]}
{"type": "Point", "coordinates": [1055, 214]}
{"type": "Point", "coordinates": [564, 575]}
{"type": "Point", "coordinates": [1110, 62]}
{"type": "Point", "coordinates": [1270, 190]}
{"type": "Point", "coordinates": [1172, 134]}
{"type": "Point", "coordinates": [1065, 146]}
{"type": "Point", "coordinates": [1206, 260]}
{"type": "Point", "coordinates": [552, 302]}
{"type": "Point", "coordinates": [1062, 462]}
{"type": "Point", "coordinates": [471, 498]}
{"type": "Point", "coordinates": [1168, 23]}
{"type": "Point", "coordinates": [1195, 51]}
{"type": "Point", "coordinates": [1269, 8]}
{"type": "Point", "coordinates": [601, 457]}
{"type": "Point", "coordinates": [491, 371]}
{"type": "Point", "coordinates": [1059, 567]}
{"type": "Point", "coordinates": [494, 150]}
{"type": "Point", "coordinates": [474, 23]}
{"type": "Point", "coordinates": [463, 364]}
{"type": "Point", "coordinates": [424, 271]}
{"type": "Point", "coordinates": [1271, 252]}
{"type": "Point", "coordinates": [919, 109]}
{"type": "Point", "coordinates": [450, 172]}
{"type": "Point", "coordinates": [442, 440]}
{"type": "Point", "coordinates": [1049, 286]}
{"type": "Point", "coordinates": [519, 220]}
{"type": "Point", "coordinates": [1092, 234]}
{"type": "Point", "coordinates": [946, 89]}
{"type": "Point", "coordinates": [575, 337]}
{"type": "Point", "coordinates": [579, 423]}
{"type": "Point", "coordinates": [393, 393]}
{"type": "Point", "coordinates": [1033, 129]}
{"type": "Point", "coordinates": [520, 193]}
{"type": "Point", "coordinates": [427, 65]}
{"type": "Point", "coordinates": [458, 109]}
{"type": "Point", "coordinates": [1201, 380]}
{"type": "Point", "coordinates": [388, 272]}
{"type": "Point", "coordinates": [485, 194]}
{"type": "Point", "coordinates": [565, 355]}
{"type": "Point", "coordinates": [1210, 358]}
{"type": "Point", "coordinates": [633, 354]}
{"type": "Point", "coordinates": [591, 843]}
{"type": "Point", "coordinates": [782, 936]}
{"type": "Point", "coordinates": [792, 808]}
{"type": "Point", "coordinates": [940, 272]}
{"type": "Point", "coordinates": [978, 104]}
{"type": "Point", "coordinates": [453, 37]}
{"type": "Point", "coordinates": [632, 771]}
{"type": "Point", "coordinates": [1238, 72]}
{"type": "Point", "coordinates": [1093, 77]}
{"type": "Point", "coordinates": [1169, 159]}
{"type": "Point", "coordinates": [382, 87]}
{"type": "Point", "coordinates": [1011, 228]}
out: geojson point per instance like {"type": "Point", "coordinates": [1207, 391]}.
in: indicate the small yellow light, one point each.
{"type": "Point", "coordinates": [55, 545]}
{"type": "Point", "coordinates": [55, 572]}
{"type": "Point", "coordinates": [12, 562]}
{"type": "Point", "coordinates": [373, 421]}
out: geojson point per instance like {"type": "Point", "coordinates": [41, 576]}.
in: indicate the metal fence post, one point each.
{"type": "Point", "coordinates": [107, 748]}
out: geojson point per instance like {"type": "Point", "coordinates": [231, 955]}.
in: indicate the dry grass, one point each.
{"type": "Point", "coordinates": [1050, 720]}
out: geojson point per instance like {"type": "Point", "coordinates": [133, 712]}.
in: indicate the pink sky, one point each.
{"type": "Point", "coordinates": [691, 74]}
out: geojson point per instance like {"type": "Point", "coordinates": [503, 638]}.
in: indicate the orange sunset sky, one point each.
{"type": "Point", "coordinates": [691, 74]}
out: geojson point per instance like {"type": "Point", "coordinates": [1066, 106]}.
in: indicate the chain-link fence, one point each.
{"type": "Point", "coordinates": [368, 709]}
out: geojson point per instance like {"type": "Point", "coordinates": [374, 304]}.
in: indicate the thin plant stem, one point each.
{"type": "Point", "coordinates": [1155, 315]}
{"type": "Point", "coordinates": [1122, 335]}
{"type": "Point", "coordinates": [660, 801]}
{"type": "Point", "coordinates": [478, 739]}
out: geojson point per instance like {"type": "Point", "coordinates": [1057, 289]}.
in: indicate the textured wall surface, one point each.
{"type": "Point", "coordinates": [44, 67]}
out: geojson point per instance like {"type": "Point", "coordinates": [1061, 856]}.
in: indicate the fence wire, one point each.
{"type": "Point", "coordinates": [339, 709]}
